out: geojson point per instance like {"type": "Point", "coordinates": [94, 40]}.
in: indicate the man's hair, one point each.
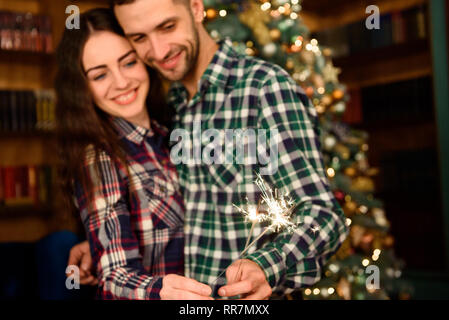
{"type": "Point", "coordinates": [113, 3]}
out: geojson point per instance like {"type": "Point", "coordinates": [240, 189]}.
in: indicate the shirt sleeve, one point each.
{"type": "Point", "coordinates": [114, 246]}
{"type": "Point", "coordinates": [295, 259]}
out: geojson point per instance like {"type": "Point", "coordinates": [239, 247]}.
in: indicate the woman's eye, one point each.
{"type": "Point", "coordinates": [131, 63]}
{"type": "Point", "coordinates": [99, 77]}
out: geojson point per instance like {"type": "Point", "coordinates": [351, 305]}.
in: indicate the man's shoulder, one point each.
{"type": "Point", "coordinates": [256, 70]}
{"type": "Point", "coordinates": [248, 71]}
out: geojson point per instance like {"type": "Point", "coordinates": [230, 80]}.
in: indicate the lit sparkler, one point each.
{"type": "Point", "coordinates": [274, 207]}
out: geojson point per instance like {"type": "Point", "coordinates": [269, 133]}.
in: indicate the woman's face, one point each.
{"type": "Point", "coordinates": [117, 79]}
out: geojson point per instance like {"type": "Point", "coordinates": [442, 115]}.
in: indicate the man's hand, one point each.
{"type": "Point", "coordinates": [175, 287]}
{"type": "Point", "coordinates": [247, 279]}
{"type": "Point", "coordinates": [80, 257]}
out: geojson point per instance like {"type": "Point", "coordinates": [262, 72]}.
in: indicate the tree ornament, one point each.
{"type": "Point", "coordinates": [310, 91]}
{"type": "Point", "coordinates": [329, 142]}
{"type": "Point", "coordinates": [331, 73]}
{"type": "Point", "coordinates": [366, 243]}
{"type": "Point", "coordinates": [345, 250]}
{"type": "Point", "coordinates": [275, 34]}
{"type": "Point", "coordinates": [350, 172]}
{"type": "Point", "coordinates": [339, 107]}
{"type": "Point", "coordinates": [327, 52]}
{"type": "Point", "coordinates": [339, 195]}
{"type": "Point", "coordinates": [343, 151]}
{"type": "Point", "coordinates": [388, 241]}
{"type": "Point", "coordinates": [326, 99]}
{"type": "Point", "coordinates": [379, 217]}
{"type": "Point", "coordinates": [257, 19]}
{"type": "Point", "coordinates": [344, 289]}
{"type": "Point", "coordinates": [307, 57]}
{"type": "Point", "coordinates": [350, 208]}
{"type": "Point", "coordinates": [290, 64]}
{"type": "Point", "coordinates": [269, 49]}
{"type": "Point", "coordinates": [356, 235]}
{"type": "Point", "coordinates": [318, 80]}
{"type": "Point", "coordinates": [338, 94]}
{"type": "Point", "coordinates": [211, 14]}
{"type": "Point", "coordinates": [363, 184]}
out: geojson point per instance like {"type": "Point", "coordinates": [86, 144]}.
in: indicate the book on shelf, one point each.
{"type": "Point", "coordinates": [26, 111]}
{"type": "Point", "coordinates": [382, 37]}
{"type": "Point", "coordinates": [398, 103]}
{"type": "Point", "coordinates": [337, 39]}
{"type": "Point", "coordinates": [26, 185]}
{"type": "Point", "coordinates": [23, 31]}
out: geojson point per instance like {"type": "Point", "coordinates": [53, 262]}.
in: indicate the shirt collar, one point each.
{"type": "Point", "coordinates": [218, 71]}
{"type": "Point", "coordinates": [135, 133]}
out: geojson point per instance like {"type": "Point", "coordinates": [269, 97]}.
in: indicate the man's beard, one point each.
{"type": "Point", "coordinates": [191, 58]}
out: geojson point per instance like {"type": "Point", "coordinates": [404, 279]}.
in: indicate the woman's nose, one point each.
{"type": "Point", "coordinates": [120, 81]}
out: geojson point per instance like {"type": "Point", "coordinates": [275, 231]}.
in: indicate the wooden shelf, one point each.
{"type": "Point", "coordinates": [321, 14]}
{"type": "Point", "coordinates": [89, 4]}
{"type": "Point", "coordinates": [27, 150]}
{"type": "Point", "coordinates": [401, 138]}
{"type": "Point", "coordinates": [24, 210]}
{"type": "Point", "coordinates": [27, 134]}
{"type": "Point", "coordinates": [22, 54]}
{"type": "Point", "coordinates": [386, 65]}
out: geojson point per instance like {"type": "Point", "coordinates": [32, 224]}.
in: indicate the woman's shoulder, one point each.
{"type": "Point", "coordinates": [93, 154]}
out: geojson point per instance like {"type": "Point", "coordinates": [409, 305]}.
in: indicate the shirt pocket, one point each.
{"type": "Point", "coordinates": [225, 176]}
{"type": "Point", "coordinates": [156, 185]}
{"type": "Point", "coordinates": [159, 202]}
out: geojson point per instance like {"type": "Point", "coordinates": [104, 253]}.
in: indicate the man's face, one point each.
{"type": "Point", "coordinates": [163, 33]}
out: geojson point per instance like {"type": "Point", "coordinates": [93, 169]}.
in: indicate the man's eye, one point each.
{"type": "Point", "coordinates": [169, 26]}
{"type": "Point", "coordinates": [138, 39]}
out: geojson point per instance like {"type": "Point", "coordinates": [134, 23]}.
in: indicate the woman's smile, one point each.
{"type": "Point", "coordinates": [127, 97]}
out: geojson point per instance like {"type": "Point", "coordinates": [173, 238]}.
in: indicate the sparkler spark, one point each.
{"type": "Point", "coordinates": [279, 206]}
{"type": "Point", "coordinates": [274, 207]}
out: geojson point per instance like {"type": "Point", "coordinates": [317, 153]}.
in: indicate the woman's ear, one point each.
{"type": "Point", "coordinates": [197, 8]}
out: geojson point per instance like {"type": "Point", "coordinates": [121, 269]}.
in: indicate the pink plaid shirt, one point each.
{"type": "Point", "coordinates": [135, 228]}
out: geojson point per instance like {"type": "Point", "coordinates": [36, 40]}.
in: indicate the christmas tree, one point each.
{"type": "Point", "coordinates": [365, 267]}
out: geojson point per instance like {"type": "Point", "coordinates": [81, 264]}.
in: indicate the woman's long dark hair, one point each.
{"type": "Point", "coordinates": [79, 122]}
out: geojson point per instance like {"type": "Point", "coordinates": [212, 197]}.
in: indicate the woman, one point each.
{"type": "Point", "coordinates": [114, 162]}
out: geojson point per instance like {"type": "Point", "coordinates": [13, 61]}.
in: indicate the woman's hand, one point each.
{"type": "Point", "coordinates": [176, 287]}
{"type": "Point", "coordinates": [80, 257]}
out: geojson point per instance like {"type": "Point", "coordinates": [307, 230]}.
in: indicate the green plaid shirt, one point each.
{"type": "Point", "coordinates": [241, 92]}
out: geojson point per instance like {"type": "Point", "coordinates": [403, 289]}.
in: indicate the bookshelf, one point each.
{"type": "Point", "coordinates": [411, 151]}
{"type": "Point", "coordinates": [386, 65]}
{"type": "Point", "coordinates": [321, 15]}
{"type": "Point", "coordinates": [374, 63]}
{"type": "Point", "coordinates": [31, 71]}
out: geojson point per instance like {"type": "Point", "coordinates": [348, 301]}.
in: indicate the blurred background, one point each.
{"type": "Point", "coordinates": [378, 82]}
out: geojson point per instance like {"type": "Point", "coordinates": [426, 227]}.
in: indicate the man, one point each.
{"type": "Point", "coordinates": [220, 89]}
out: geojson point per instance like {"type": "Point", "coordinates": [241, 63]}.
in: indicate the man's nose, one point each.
{"type": "Point", "coordinates": [159, 48]}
